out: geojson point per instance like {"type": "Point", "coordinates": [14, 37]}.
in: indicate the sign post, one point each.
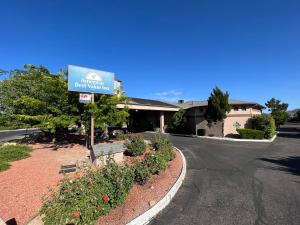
{"type": "Point", "coordinates": [92, 123]}
{"type": "Point", "coordinates": [86, 80]}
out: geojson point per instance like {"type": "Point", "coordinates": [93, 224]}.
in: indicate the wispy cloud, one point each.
{"type": "Point", "coordinates": [168, 95]}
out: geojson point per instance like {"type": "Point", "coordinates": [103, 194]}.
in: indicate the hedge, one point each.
{"type": "Point", "coordinates": [201, 132]}
{"type": "Point", "coordinates": [265, 123]}
{"type": "Point", "coordinates": [251, 134]}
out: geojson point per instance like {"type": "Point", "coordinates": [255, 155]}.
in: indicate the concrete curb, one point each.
{"type": "Point", "coordinates": [19, 129]}
{"type": "Point", "coordinates": [146, 217]}
{"type": "Point", "coordinates": [239, 140]}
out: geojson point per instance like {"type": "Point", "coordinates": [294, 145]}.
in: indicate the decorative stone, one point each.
{"type": "Point", "coordinates": [152, 203]}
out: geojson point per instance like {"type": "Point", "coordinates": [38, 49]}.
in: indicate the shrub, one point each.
{"type": "Point", "coordinates": [156, 162]}
{"type": "Point", "coordinates": [81, 201]}
{"type": "Point", "coordinates": [264, 123]}
{"type": "Point", "coordinates": [178, 121]}
{"type": "Point", "coordinates": [121, 136]}
{"type": "Point", "coordinates": [162, 143]}
{"type": "Point", "coordinates": [201, 132]}
{"type": "Point", "coordinates": [251, 134]}
{"type": "Point", "coordinates": [141, 172]}
{"type": "Point", "coordinates": [78, 201]}
{"type": "Point", "coordinates": [168, 155]}
{"type": "Point", "coordinates": [121, 178]}
{"type": "Point", "coordinates": [136, 145]}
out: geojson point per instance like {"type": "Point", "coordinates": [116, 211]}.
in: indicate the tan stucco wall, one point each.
{"type": "Point", "coordinates": [196, 116]}
{"type": "Point", "coordinates": [230, 123]}
{"type": "Point", "coordinates": [242, 117]}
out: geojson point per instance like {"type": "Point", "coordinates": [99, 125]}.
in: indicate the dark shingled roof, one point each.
{"type": "Point", "coordinates": [149, 102]}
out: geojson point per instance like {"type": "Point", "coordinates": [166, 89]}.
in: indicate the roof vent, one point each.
{"type": "Point", "coordinates": [180, 101]}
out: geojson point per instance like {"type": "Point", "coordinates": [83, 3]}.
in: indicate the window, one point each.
{"type": "Point", "coordinates": [244, 108]}
{"type": "Point", "coordinates": [236, 108]}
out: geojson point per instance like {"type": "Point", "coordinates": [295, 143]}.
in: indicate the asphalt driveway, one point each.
{"type": "Point", "coordinates": [9, 135]}
{"type": "Point", "coordinates": [238, 183]}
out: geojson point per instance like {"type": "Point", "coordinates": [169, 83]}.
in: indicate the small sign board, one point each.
{"type": "Point", "coordinates": [88, 80]}
{"type": "Point", "coordinates": [84, 98]}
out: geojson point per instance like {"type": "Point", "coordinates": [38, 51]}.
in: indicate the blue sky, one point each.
{"type": "Point", "coordinates": [163, 49]}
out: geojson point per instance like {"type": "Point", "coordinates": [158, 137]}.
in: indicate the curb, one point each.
{"type": "Point", "coordinates": [240, 140]}
{"type": "Point", "coordinates": [146, 217]}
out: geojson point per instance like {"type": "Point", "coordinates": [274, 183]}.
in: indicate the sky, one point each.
{"type": "Point", "coordinates": [167, 50]}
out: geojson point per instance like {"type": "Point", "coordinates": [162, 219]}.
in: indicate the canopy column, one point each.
{"type": "Point", "coordinates": [162, 122]}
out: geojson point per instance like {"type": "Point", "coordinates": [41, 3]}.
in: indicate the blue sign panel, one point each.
{"type": "Point", "coordinates": [83, 79]}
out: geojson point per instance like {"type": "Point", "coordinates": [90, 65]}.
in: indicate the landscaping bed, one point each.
{"type": "Point", "coordinates": [141, 197]}
{"type": "Point", "coordinates": [26, 181]}
{"type": "Point", "coordinates": [114, 191]}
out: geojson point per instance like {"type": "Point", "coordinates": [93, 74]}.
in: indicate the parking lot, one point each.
{"type": "Point", "coordinates": [238, 182]}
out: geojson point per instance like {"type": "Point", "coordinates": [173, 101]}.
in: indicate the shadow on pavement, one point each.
{"type": "Point", "coordinates": [290, 164]}
{"type": "Point", "coordinates": [289, 135]}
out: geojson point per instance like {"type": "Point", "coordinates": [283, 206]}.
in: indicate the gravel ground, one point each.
{"type": "Point", "coordinates": [25, 183]}
{"type": "Point", "coordinates": [138, 199]}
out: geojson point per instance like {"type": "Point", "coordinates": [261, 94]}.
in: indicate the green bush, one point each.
{"type": "Point", "coordinates": [121, 178]}
{"type": "Point", "coordinates": [156, 162]}
{"type": "Point", "coordinates": [201, 132]}
{"type": "Point", "coordinates": [121, 136]}
{"type": "Point", "coordinates": [136, 145]}
{"type": "Point", "coordinates": [83, 200]}
{"type": "Point", "coordinates": [167, 155]}
{"type": "Point", "coordinates": [251, 134]}
{"type": "Point", "coordinates": [141, 172]}
{"type": "Point", "coordinates": [83, 196]}
{"type": "Point", "coordinates": [265, 123]}
{"type": "Point", "coordinates": [161, 143]}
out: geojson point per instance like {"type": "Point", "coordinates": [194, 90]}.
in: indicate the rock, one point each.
{"type": "Point", "coordinates": [152, 203]}
{"type": "Point", "coordinates": [152, 187]}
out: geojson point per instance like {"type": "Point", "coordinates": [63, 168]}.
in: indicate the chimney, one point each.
{"type": "Point", "coordinates": [180, 101]}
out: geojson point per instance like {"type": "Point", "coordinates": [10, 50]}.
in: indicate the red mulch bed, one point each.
{"type": "Point", "coordinates": [137, 201]}
{"type": "Point", "coordinates": [28, 180]}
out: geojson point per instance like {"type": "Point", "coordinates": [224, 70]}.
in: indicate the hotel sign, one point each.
{"type": "Point", "coordinates": [87, 80]}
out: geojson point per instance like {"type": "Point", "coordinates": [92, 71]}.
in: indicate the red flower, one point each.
{"type": "Point", "coordinates": [67, 190]}
{"type": "Point", "coordinates": [75, 214]}
{"type": "Point", "coordinates": [105, 198]}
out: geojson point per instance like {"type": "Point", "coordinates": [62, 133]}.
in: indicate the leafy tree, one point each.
{"type": "Point", "coordinates": [178, 121]}
{"type": "Point", "coordinates": [35, 97]}
{"type": "Point", "coordinates": [264, 123]}
{"type": "Point", "coordinates": [105, 111]}
{"type": "Point", "coordinates": [218, 105]}
{"type": "Point", "coordinates": [38, 98]}
{"type": "Point", "coordinates": [278, 110]}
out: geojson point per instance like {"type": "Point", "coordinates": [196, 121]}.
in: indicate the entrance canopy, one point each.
{"type": "Point", "coordinates": [148, 104]}
{"type": "Point", "coordinates": [147, 114]}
